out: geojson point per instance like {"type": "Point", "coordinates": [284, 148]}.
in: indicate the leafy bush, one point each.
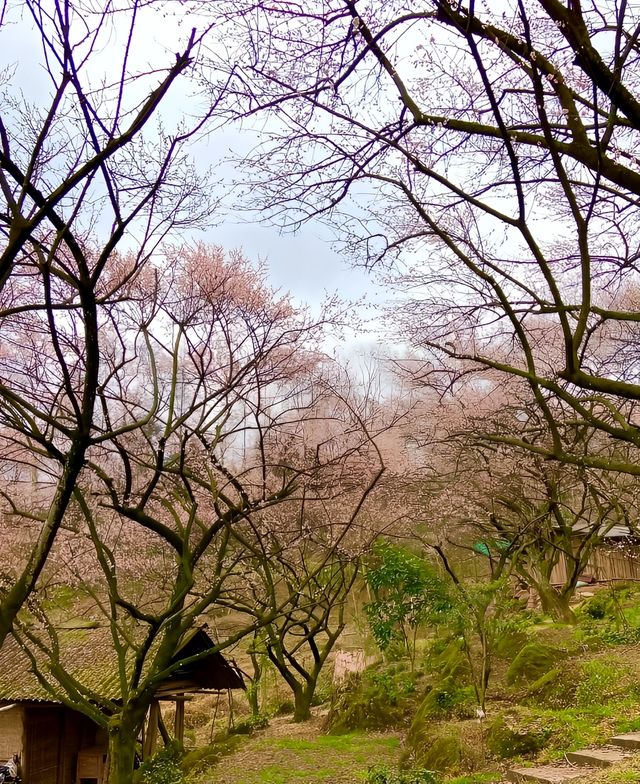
{"type": "Point", "coordinates": [408, 592]}
{"type": "Point", "coordinates": [599, 606]}
{"type": "Point", "coordinates": [165, 767]}
{"type": "Point", "coordinates": [251, 723]}
{"type": "Point", "coordinates": [384, 775]}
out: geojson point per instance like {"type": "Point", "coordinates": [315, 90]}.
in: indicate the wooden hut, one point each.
{"type": "Point", "coordinates": [58, 745]}
{"type": "Point", "coordinates": [615, 557]}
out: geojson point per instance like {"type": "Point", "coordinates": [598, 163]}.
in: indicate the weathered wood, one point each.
{"type": "Point", "coordinates": [179, 722]}
{"type": "Point", "coordinates": [164, 732]}
{"type": "Point", "coordinates": [151, 734]}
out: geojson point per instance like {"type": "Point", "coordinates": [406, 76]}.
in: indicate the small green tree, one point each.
{"type": "Point", "coordinates": [482, 613]}
{"type": "Point", "coordinates": [408, 594]}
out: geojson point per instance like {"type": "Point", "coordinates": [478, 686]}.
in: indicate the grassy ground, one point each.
{"type": "Point", "coordinates": [287, 753]}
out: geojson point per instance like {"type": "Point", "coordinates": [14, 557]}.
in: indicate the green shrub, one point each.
{"type": "Point", "coordinates": [599, 606]}
{"type": "Point", "coordinates": [165, 767]}
{"type": "Point", "coordinates": [601, 682]}
{"type": "Point", "coordinates": [251, 723]}
{"type": "Point", "coordinates": [384, 775]}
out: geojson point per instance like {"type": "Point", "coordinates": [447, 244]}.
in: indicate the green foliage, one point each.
{"type": "Point", "coordinates": [251, 723]}
{"type": "Point", "coordinates": [408, 593]}
{"type": "Point", "coordinates": [376, 699]}
{"type": "Point", "coordinates": [384, 775]}
{"type": "Point", "coordinates": [599, 606]}
{"type": "Point", "coordinates": [447, 698]}
{"type": "Point", "coordinates": [611, 617]}
{"type": "Point", "coordinates": [165, 767]}
{"type": "Point", "coordinates": [601, 682]}
{"type": "Point", "coordinates": [506, 738]}
{"type": "Point", "coordinates": [534, 661]}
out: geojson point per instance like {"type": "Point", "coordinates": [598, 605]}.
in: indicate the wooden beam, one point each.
{"type": "Point", "coordinates": [179, 722]}
{"type": "Point", "coordinates": [151, 735]}
{"type": "Point", "coordinates": [164, 732]}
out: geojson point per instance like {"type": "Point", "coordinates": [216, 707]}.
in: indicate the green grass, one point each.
{"type": "Point", "coordinates": [322, 760]}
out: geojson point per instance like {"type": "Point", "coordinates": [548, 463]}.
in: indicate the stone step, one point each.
{"type": "Point", "coordinates": [628, 740]}
{"type": "Point", "coordinates": [546, 774]}
{"type": "Point", "coordinates": [596, 758]}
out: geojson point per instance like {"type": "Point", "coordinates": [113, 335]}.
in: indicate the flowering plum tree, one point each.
{"type": "Point", "coordinates": [500, 143]}
{"type": "Point", "coordinates": [86, 180]}
{"type": "Point", "coordinates": [206, 369]}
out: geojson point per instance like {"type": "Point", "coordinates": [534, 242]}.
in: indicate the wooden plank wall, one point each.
{"type": "Point", "coordinates": [615, 563]}
{"type": "Point", "coordinates": [11, 732]}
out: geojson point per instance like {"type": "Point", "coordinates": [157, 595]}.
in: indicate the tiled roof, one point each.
{"type": "Point", "coordinates": [85, 653]}
{"type": "Point", "coordinates": [88, 655]}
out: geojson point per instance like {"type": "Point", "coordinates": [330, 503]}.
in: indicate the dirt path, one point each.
{"type": "Point", "coordinates": [286, 753]}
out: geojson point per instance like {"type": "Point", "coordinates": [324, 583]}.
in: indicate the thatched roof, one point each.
{"type": "Point", "coordinates": [88, 655]}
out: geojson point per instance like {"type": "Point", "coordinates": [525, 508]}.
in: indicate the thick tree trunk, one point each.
{"type": "Point", "coordinates": [556, 604]}
{"type": "Point", "coordinates": [123, 733]}
{"type": "Point", "coordinates": [302, 699]}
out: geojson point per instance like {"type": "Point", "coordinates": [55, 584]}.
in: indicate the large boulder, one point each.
{"type": "Point", "coordinates": [447, 747]}
{"type": "Point", "coordinates": [534, 660]}
{"type": "Point", "coordinates": [506, 738]}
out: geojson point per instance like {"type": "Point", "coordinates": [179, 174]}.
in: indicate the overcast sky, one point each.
{"type": "Point", "coordinates": [304, 263]}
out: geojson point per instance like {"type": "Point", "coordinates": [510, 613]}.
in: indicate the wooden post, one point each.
{"type": "Point", "coordinates": [151, 735]}
{"type": "Point", "coordinates": [179, 722]}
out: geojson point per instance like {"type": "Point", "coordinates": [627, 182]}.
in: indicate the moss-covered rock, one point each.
{"type": "Point", "coordinates": [507, 738]}
{"type": "Point", "coordinates": [206, 756]}
{"type": "Point", "coordinates": [451, 747]}
{"type": "Point", "coordinates": [377, 699]}
{"type": "Point", "coordinates": [445, 699]}
{"type": "Point", "coordinates": [534, 661]}
{"type": "Point", "coordinates": [444, 754]}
